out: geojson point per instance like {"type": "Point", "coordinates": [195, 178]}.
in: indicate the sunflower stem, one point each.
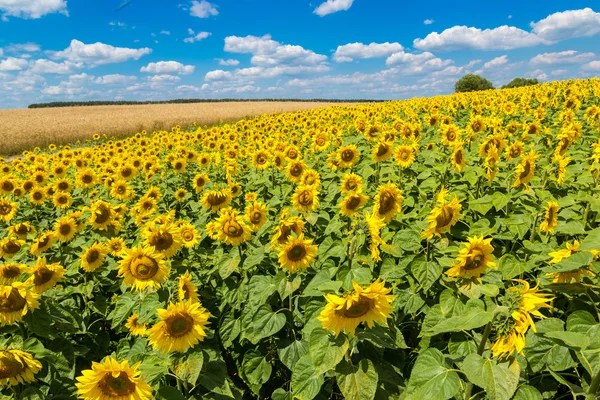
{"type": "Point", "coordinates": [594, 386]}
{"type": "Point", "coordinates": [480, 349]}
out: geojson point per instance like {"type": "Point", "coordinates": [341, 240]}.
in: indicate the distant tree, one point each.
{"type": "Point", "coordinates": [518, 82]}
{"type": "Point", "coordinates": [471, 83]}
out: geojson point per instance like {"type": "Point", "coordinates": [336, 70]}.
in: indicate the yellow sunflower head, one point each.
{"type": "Point", "coordinates": [112, 380]}
{"type": "Point", "coordinates": [8, 210]}
{"type": "Point", "coordinates": [42, 243]}
{"type": "Point", "coordinates": [388, 202]}
{"type": "Point", "coordinates": [16, 300]}
{"type": "Point", "coordinates": [10, 246]}
{"type": "Point", "coordinates": [215, 200]}
{"type": "Point", "coordinates": [256, 214]}
{"type": "Point", "coordinates": [305, 198]}
{"type": "Point", "coordinates": [297, 254]}
{"type": "Point", "coordinates": [17, 367]}
{"type": "Point", "coordinates": [44, 275]}
{"type": "Point", "coordinates": [186, 290]}
{"type": "Point", "coordinates": [10, 273]}
{"type": "Point", "coordinates": [136, 328]}
{"type": "Point", "coordinates": [473, 259]}
{"type": "Point", "coordinates": [181, 326]}
{"type": "Point", "coordinates": [351, 183]}
{"type": "Point", "coordinates": [231, 228]}
{"type": "Point", "coordinates": [142, 267]}
{"type": "Point", "coordinates": [352, 202]}
{"type": "Point", "coordinates": [93, 257]}
{"type": "Point", "coordinates": [550, 221]}
{"type": "Point", "coordinates": [404, 156]}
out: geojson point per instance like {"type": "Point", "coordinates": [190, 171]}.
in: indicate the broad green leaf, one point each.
{"type": "Point", "coordinates": [482, 205]}
{"type": "Point", "coordinates": [499, 380]}
{"type": "Point", "coordinates": [266, 323]}
{"type": "Point", "coordinates": [408, 240]}
{"type": "Point", "coordinates": [306, 382]}
{"type": "Point", "coordinates": [230, 329]}
{"type": "Point", "coordinates": [526, 392]}
{"type": "Point", "coordinates": [570, 228]}
{"type": "Point", "coordinates": [357, 382]}
{"type": "Point", "coordinates": [214, 377]}
{"type": "Point", "coordinates": [426, 272]}
{"type": "Point", "coordinates": [190, 367]}
{"type": "Point", "coordinates": [154, 368]}
{"type": "Point", "coordinates": [510, 266]}
{"type": "Point", "coordinates": [574, 340]}
{"type": "Point", "coordinates": [591, 241]}
{"type": "Point", "coordinates": [326, 350]}
{"type": "Point", "coordinates": [256, 368]}
{"type": "Point", "coordinates": [123, 308]}
{"type": "Point", "coordinates": [432, 378]}
{"type": "Point", "coordinates": [169, 393]}
{"type": "Point", "coordinates": [260, 288]}
{"type": "Point", "coordinates": [500, 200]}
{"type": "Point", "coordinates": [571, 263]}
{"type": "Point", "coordinates": [473, 316]}
{"type": "Point", "coordinates": [280, 394]}
{"type": "Point", "coordinates": [149, 305]}
{"type": "Point", "coordinates": [228, 265]}
{"type": "Point", "coordinates": [290, 354]}
{"type": "Point", "coordinates": [580, 321]}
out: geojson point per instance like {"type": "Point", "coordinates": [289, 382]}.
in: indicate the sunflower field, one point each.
{"type": "Point", "coordinates": [435, 248]}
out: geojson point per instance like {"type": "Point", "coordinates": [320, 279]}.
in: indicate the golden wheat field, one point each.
{"type": "Point", "coordinates": [27, 128]}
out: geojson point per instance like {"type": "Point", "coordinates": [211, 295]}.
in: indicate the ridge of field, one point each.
{"type": "Point", "coordinates": [28, 128]}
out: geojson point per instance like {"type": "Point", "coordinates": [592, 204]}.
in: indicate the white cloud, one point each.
{"type": "Point", "coordinates": [119, 24]}
{"type": "Point", "coordinates": [188, 88]}
{"type": "Point", "coordinates": [98, 53]}
{"type": "Point", "coordinates": [203, 9]}
{"type": "Point", "coordinates": [496, 62]}
{"type": "Point", "coordinates": [23, 47]}
{"type": "Point", "coordinates": [165, 33]}
{"type": "Point", "coordinates": [472, 63]}
{"type": "Point", "coordinates": [229, 62]}
{"type": "Point", "coordinates": [558, 72]}
{"type": "Point", "coordinates": [217, 75]}
{"type": "Point", "coordinates": [408, 58]}
{"type": "Point", "coordinates": [591, 66]}
{"type": "Point", "coordinates": [428, 21]}
{"type": "Point", "coordinates": [168, 67]}
{"type": "Point", "coordinates": [542, 77]}
{"type": "Point", "coordinates": [164, 78]}
{"type": "Point", "coordinates": [13, 64]}
{"type": "Point", "coordinates": [568, 24]}
{"type": "Point", "coordinates": [31, 9]}
{"type": "Point", "coordinates": [1, 52]}
{"type": "Point", "coordinates": [332, 6]}
{"type": "Point", "coordinates": [561, 57]}
{"type": "Point", "coordinates": [196, 37]}
{"type": "Point", "coordinates": [115, 79]}
{"type": "Point", "coordinates": [350, 51]}
{"type": "Point", "coordinates": [268, 52]}
{"type": "Point", "coordinates": [50, 67]}
{"type": "Point", "coordinates": [263, 72]}
{"type": "Point", "coordinates": [462, 37]}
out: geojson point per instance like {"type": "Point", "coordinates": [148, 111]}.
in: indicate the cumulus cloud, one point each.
{"type": "Point", "coordinates": [31, 9]}
{"type": "Point", "coordinates": [591, 66]}
{"type": "Point", "coordinates": [561, 57]}
{"type": "Point", "coordinates": [203, 9]}
{"type": "Point", "coordinates": [428, 21]}
{"type": "Point", "coordinates": [268, 52]}
{"type": "Point", "coordinates": [13, 64]}
{"type": "Point", "coordinates": [168, 67]}
{"type": "Point", "coordinates": [50, 67]}
{"type": "Point", "coordinates": [98, 53]}
{"type": "Point", "coordinates": [332, 6]}
{"type": "Point", "coordinates": [496, 62]}
{"type": "Point", "coordinates": [165, 33]}
{"type": "Point", "coordinates": [350, 51]}
{"type": "Point", "coordinates": [196, 37]}
{"type": "Point", "coordinates": [568, 24]}
{"type": "Point", "coordinates": [115, 79]}
{"type": "Point", "coordinates": [263, 72]}
{"type": "Point", "coordinates": [23, 47]}
{"type": "Point", "coordinates": [414, 64]}
{"type": "Point", "coordinates": [164, 78]}
{"type": "Point", "coordinates": [462, 37]}
{"type": "Point", "coordinates": [230, 62]}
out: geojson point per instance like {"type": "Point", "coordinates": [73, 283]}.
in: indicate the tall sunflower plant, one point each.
{"type": "Point", "coordinates": [437, 248]}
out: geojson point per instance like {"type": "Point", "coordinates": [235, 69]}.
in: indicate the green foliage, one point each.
{"type": "Point", "coordinates": [520, 82]}
{"type": "Point", "coordinates": [472, 83]}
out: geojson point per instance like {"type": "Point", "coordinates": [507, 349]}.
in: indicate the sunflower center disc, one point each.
{"type": "Point", "coordinates": [119, 386]}
{"type": "Point", "coordinates": [297, 253]}
{"type": "Point", "coordinates": [13, 302]}
{"type": "Point", "coordinates": [9, 365]}
{"type": "Point", "coordinates": [358, 309]}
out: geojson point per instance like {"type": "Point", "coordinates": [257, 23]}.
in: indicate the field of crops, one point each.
{"type": "Point", "coordinates": [28, 128]}
{"type": "Point", "coordinates": [426, 249]}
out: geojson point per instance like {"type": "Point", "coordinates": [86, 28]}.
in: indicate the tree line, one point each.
{"type": "Point", "coordinates": [471, 83]}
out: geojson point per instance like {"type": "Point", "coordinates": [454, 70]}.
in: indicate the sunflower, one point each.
{"type": "Point", "coordinates": [305, 198]}
{"type": "Point", "coordinates": [260, 160]}
{"type": "Point", "coordinates": [42, 243]}
{"type": "Point", "coordinates": [142, 267]}
{"type": "Point", "coordinates": [404, 156]}
{"type": "Point", "coordinates": [65, 228]}
{"type": "Point", "coordinates": [115, 246]}
{"type": "Point", "coordinates": [8, 210]}
{"type": "Point", "coordinates": [348, 156]}
{"type": "Point", "coordinates": [21, 230]}
{"type": "Point", "coordinates": [351, 183]}
{"type": "Point", "coordinates": [526, 169]}
{"type": "Point", "coordinates": [164, 239]}
{"type": "Point", "coordinates": [93, 257]}
{"type": "Point", "coordinates": [230, 227]}
{"type": "Point", "coordinates": [62, 200]}
{"type": "Point", "coordinates": [121, 190]}
{"type": "Point", "coordinates": [561, 171]}
{"type": "Point", "coordinates": [180, 194]}
{"type": "Point", "coordinates": [369, 305]}
{"type": "Point", "coordinates": [10, 246]}
{"type": "Point", "coordinates": [186, 290]}
{"type": "Point", "coordinates": [112, 380]}
{"type": "Point", "coordinates": [44, 275]}
{"type": "Point", "coordinates": [10, 273]}
{"type": "Point", "coordinates": [388, 202]}
{"type": "Point", "coordinates": [215, 200]}
{"type": "Point", "coordinates": [443, 216]}
{"type": "Point", "coordinates": [450, 135]}
{"type": "Point", "coordinates": [256, 213]}
{"type": "Point", "coordinates": [297, 254]}
{"type": "Point", "coordinates": [294, 171]}
{"type": "Point", "coordinates": [310, 177]}
{"type": "Point", "coordinates": [102, 215]}
{"type": "Point", "coordinates": [181, 326]}
{"type": "Point", "coordinates": [352, 202]}
{"type": "Point", "coordinates": [7, 185]}
{"type": "Point", "coordinates": [374, 225]}
{"type": "Point", "coordinates": [550, 221]}
{"type": "Point", "coordinates": [189, 235]}
{"type": "Point", "coordinates": [458, 158]}
{"type": "Point", "coordinates": [558, 256]}
{"type": "Point", "coordinates": [473, 259]}
{"type": "Point", "coordinates": [37, 196]}
{"type": "Point", "coordinates": [16, 300]}
{"type": "Point", "coordinates": [286, 227]}
{"type": "Point", "coordinates": [200, 180]}
{"type": "Point", "coordinates": [17, 367]}
{"type": "Point", "coordinates": [135, 327]}
{"type": "Point", "coordinates": [515, 150]}
{"type": "Point", "coordinates": [382, 151]}
{"type": "Point", "coordinates": [86, 178]}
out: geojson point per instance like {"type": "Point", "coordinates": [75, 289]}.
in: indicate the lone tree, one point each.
{"type": "Point", "coordinates": [471, 83]}
{"type": "Point", "coordinates": [518, 82]}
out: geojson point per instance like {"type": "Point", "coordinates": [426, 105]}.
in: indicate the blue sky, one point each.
{"type": "Point", "coordinates": [59, 50]}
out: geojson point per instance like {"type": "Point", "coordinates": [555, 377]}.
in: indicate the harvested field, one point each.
{"type": "Point", "coordinates": [26, 128]}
